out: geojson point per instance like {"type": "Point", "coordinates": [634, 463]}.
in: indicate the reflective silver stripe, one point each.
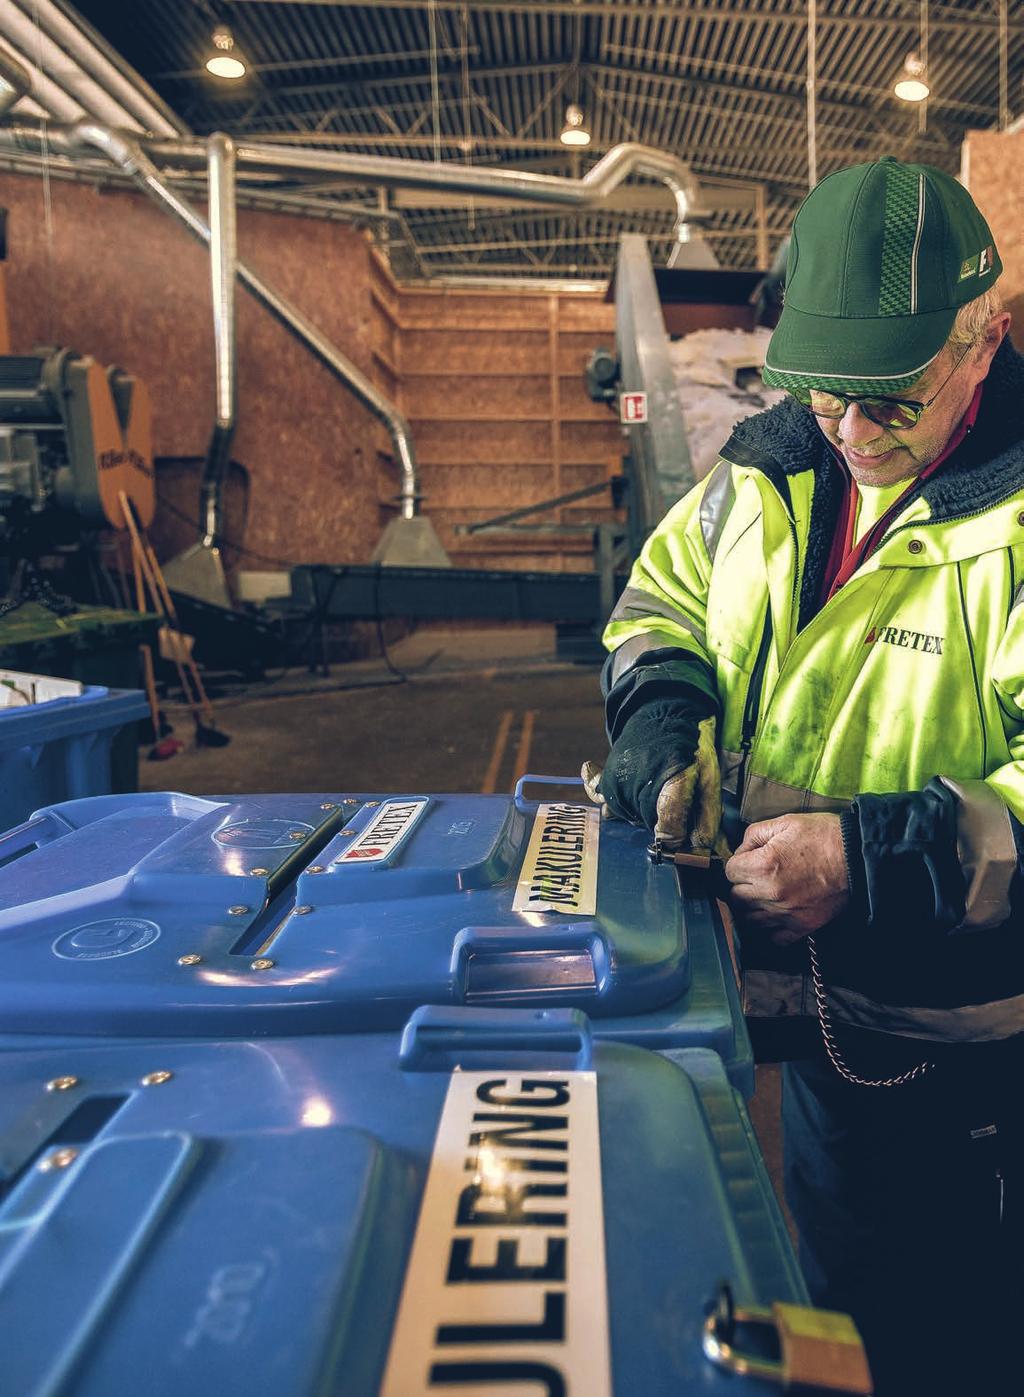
{"type": "Point", "coordinates": [729, 765]}
{"type": "Point", "coordinates": [988, 854]}
{"type": "Point", "coordinates": [770, 994]}
{"type": "Point", "coordinates": [1018, 597]}
{"type": "Point", "coordinates": [967, 1023]}
{"type": "Point", "coordinates": [632, 651]}
{"type": "Point", "coordinates": [715, 504]}
{"type": "Point", "coordinates": [917, 244]}
{"type": "Point", "coordinates": [764, 799]}
{"type": "Point", "coordinates": [637, 605]}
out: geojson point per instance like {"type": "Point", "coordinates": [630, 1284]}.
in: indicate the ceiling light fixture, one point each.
{"type": "Point", "coordinates": [574, 132]}
{"type": "Point", "coordinates": [912, 83]}
{"type": "Point", "coordinates": [224, 61]}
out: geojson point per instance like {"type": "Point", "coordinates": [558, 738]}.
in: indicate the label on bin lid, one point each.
{"type": "Point", "coordinates": [505, 1289]}
{"type": "Point", "coordinates": [389, 826]}
{"type": "Point", "coordinates": [559, 873]}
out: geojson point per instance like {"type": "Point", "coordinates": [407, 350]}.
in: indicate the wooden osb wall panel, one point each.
{"type": "Point", "coordinates": [993, 161]}
{"type": "Point", "coordinates": [493, 387]}
{"type": "Point", "coordinates": [123, 282]}
{"type": "Point", "coordinates": [495, 351]}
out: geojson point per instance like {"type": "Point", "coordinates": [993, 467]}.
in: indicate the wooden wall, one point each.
{"type": "Point", "coordinates": [491, 381]}
{"type": "Point", "coordinates": [992, 165]}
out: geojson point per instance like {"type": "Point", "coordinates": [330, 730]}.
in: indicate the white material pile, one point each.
{"type": "Point", "coordinates": [707, 364]}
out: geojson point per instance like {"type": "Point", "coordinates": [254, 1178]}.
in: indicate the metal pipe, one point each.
{"type": "Point", "coordinates": [91, 52]}
{"type": "Point", "coordinates": [14, 81]}
{"type": "Point", "coordinates": [223, 272]}
{"type": "Point", "coordinates": [596, 185]}
{"type": "Point", "coordinates": [48, 58]}
{"type": "Point", "coordinates": [591, 191]}
{"type": "Point", "coordinates": [126, 152]}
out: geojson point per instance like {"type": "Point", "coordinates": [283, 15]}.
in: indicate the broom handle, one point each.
{"type": "Point", "coordinates": [169, 608]}
{"type": "Point", "coordinates": [142, 567]}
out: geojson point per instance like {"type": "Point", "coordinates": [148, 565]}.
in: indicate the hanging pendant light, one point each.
{"type": "Point", "coordinates": [574, 132]}
{"type": "Point", "coordinates": [912, 83]}
{"type": "Point", "coordinates": [224, 60]}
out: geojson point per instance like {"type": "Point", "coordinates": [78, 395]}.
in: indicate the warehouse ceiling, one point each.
{"type": "Point", "coordinates": [724, 86]}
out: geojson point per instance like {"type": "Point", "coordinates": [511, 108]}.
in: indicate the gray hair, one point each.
{"type": "Point", "coordinates": [973, 317]}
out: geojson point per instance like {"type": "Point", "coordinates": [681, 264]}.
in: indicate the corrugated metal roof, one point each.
{"type": "Point", "coordinates": [721, 85]}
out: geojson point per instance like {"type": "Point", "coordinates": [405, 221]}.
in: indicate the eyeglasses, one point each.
{"type": "Point", "coordinates": [893, 413]}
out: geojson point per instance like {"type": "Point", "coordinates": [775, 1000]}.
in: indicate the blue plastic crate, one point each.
{"type": "Point", "coordinates": [60, 750]}
{"type": "Point", "coordinates": [171, 916]}
{"type": "Point", "coordinates": [491, 1190]}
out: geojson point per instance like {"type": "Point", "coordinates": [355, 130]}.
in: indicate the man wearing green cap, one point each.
{"type": "Point", "coordinates": [833, 622]}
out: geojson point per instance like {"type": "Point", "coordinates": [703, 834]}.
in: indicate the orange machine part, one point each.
{"type": "Point", "coordinates": [124, 458]}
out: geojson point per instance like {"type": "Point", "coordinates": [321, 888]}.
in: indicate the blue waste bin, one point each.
{"type": "Point", "coordinates": [172, 916]}
{"type": "Point", "coordinates": [60, 750]}
{"type": "Point", "coordinates": [490, 1196]}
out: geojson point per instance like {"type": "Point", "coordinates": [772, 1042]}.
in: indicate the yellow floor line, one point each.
{"type": "Point", "coordinates": [497, 753]}
{"type": "Point", "coordinates": [525, 742]}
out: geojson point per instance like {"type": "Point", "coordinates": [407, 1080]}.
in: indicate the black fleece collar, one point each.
{"type": "Point", "coordinates": [986, 468]}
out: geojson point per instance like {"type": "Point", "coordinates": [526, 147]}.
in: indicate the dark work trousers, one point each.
{"type": "Point", "coordinates": [908, 1203]}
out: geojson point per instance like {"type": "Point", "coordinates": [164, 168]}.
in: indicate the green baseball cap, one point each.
{"type": "Point", "coordinates": [882, 257]}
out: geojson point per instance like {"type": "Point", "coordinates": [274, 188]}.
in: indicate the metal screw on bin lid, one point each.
{"type": "Point", "coordinates": [60, 1159]}
{"type": "Point", "coordinates": [297, 834]}
{"type": "Point", "coordinates": [258, 872]}
{"type": "Point", "coordinates": [372, 804]}
{"type": "Point", "coordinates": [329, 805]}
{"type": "Point", "coordinates": [301, 911]}
{"type": "Point", "coordinates": [315, 868]}
{"type": "Point", "coordinates": [190, 959]}
{"type": "Point", "coordinates": [62, 1083]}
{"type": "Point", "coordinates": [262, 964]}
{"type": "Point", "coordinates": [156, 1079]}
{"type": "Point", "coordinates": [350, 800]}
{"type": "Point", "coordinates": [238, 911]}
{"type": "Point", "coordinates": [348, 833]}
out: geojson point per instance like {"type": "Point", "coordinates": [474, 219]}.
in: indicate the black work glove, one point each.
{"type": "Point", "coordinates": [662, 772]}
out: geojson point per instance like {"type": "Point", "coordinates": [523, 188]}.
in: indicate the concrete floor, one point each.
{"type": "Point", "coordinates": [477, 710]}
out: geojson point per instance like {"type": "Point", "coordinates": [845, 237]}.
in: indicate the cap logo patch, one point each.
{"type": "Point", "coordinates": [969, 266]}
{"type": "Point", "coordinates": [985, 260]}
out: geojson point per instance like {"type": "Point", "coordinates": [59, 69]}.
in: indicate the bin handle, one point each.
{"type": "Point", "coordinates": [440, 1038]}
{"type": "Point", "coordinates": [22, 839]}
{"type": "Point", "coordinates": [530, 780]}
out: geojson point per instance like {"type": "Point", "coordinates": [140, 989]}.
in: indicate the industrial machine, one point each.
{"type": "Point", "coordinates": [73, 436]}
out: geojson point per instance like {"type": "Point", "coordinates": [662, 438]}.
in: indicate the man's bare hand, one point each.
{"type": "Point", "coordinates": [789, 875]}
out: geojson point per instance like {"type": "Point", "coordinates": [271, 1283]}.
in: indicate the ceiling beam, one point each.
{"type": "Point", "coordinates": [771, 95]}
{"type": "Point", "coordinates": [939, 17]}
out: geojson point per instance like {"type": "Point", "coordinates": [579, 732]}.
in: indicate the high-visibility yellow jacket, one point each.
{"type": "Point", "coordinates": [914, 669]}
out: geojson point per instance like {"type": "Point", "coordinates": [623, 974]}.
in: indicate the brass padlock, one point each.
{"type": "Point", "coordinates": [803, 1349]}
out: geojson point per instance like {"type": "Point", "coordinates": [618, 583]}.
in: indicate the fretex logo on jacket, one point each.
{"type": "Point", "coordinates": [905, 640]}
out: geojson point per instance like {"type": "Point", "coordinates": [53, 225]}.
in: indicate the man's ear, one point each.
{"type": "Point", "coordinates": [996, 330]}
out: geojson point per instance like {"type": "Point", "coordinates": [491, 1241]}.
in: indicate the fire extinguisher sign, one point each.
{"type": "Point", "coordinates": [632, 408]}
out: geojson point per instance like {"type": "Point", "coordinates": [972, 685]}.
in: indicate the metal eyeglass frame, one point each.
{"type": "Point", "coordinates": [803, 395]}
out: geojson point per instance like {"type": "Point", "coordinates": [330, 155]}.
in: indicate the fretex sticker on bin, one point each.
{"type": "Point", "coordinates": [559, 873]}
{"type": "Point", "coordinates": [384, 833]}
{"type": "Point", "coordinates": [506, 1283]}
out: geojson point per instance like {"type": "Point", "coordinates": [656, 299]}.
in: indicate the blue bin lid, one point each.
{"type": "Point", "coordinates": [168, 915]}
{"type": "Point", "coordinates": [300, 1216]}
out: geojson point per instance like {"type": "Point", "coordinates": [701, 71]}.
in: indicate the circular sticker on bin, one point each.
{"type": "Point", "coordinates": [114, 936]}
{"type": "Point", "coordinates": [261, 834]}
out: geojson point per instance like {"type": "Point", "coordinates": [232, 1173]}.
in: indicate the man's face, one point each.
{"type": "Point", "coordinates": [883, 455]}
